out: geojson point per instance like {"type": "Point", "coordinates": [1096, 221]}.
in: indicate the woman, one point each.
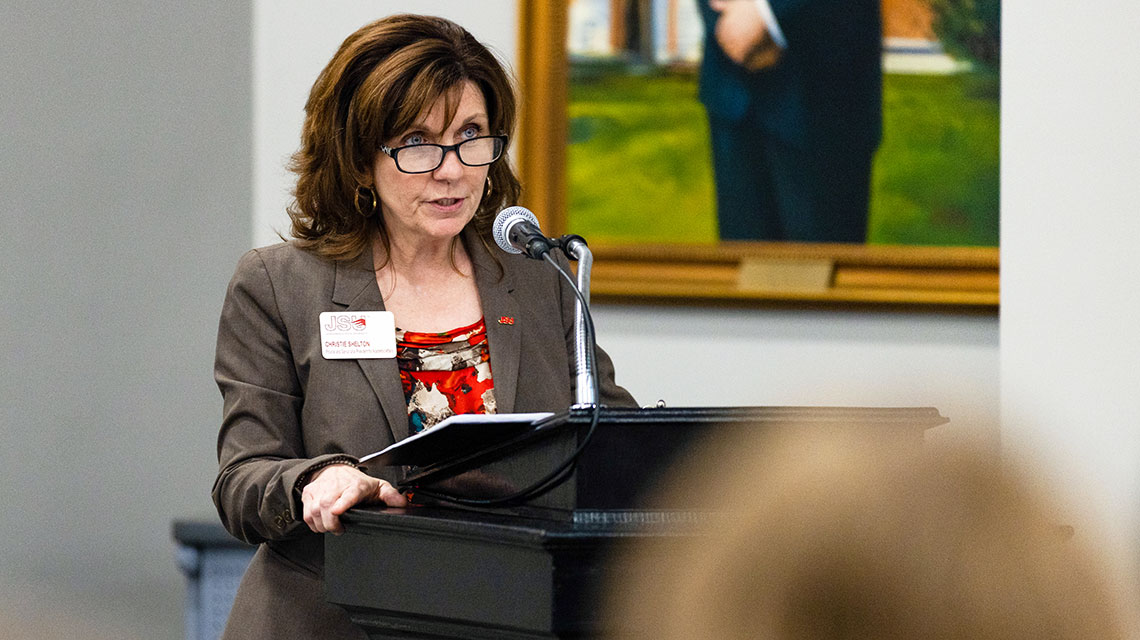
{"type": "Point", "coordinates": [401, 170]}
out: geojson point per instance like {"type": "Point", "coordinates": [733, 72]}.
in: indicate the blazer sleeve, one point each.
{"type": "Point", "coordinates": [261, 452]}
{"type": "Point", "coordinates": [610, 393]}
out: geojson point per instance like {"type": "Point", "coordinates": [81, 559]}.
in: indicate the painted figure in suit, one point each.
{"type": "Point", "coordinates": [793, 91]}
{"type": "Point", "coordinates": [401, 170]}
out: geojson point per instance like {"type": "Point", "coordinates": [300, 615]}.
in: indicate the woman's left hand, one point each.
{"type": "Point", "coordinates": [336, 488]}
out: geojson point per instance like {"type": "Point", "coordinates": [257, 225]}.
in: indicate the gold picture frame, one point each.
{"type": "Point", "coordinates": [750, 273]}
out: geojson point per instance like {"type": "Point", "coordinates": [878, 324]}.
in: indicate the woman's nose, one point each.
{"type": "Point", "coordinates": [450, 166]}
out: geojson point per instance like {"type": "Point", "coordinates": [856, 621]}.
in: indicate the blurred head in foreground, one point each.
{"type": "Point", "coordinates": [822, 535]}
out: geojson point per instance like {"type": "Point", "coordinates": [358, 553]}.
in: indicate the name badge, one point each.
{"type": "Point", "coordinates": [360, 334]}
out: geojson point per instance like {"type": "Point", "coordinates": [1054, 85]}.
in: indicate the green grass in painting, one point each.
{"type": "Point", "coordinates": [935, 179]}
{"type": "Point", "coordinates": [640, 165]}
{"type": "Point", "coordinates": [639, 161]}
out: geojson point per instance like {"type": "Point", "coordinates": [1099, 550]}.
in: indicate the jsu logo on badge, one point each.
{"type": "Point", "coordinates": [344, 322]}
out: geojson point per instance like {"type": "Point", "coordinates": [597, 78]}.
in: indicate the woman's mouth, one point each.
{"type": "Point", "coordinates": [447, 204]}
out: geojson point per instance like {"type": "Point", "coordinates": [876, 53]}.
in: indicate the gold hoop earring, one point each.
{"type": "Point", "coordinates": [366, 192]}
{"type": "Point", "coordinates": [490, 186]}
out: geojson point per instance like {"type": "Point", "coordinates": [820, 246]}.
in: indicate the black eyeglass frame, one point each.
{"type": "Point", "coordinates": [445, 149]}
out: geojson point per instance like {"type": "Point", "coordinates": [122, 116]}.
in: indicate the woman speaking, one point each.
{"type": "Point", "coordinates": [402, 167]}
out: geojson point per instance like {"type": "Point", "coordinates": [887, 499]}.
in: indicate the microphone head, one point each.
{"type": "Point", "coordinates": [506, 219]}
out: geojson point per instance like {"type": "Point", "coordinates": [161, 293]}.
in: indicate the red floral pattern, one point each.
{"type": "Point", "coordinates": [444, 374]}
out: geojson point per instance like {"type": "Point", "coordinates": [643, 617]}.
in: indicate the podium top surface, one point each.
{"type": "Point", "coordinates": [510, 527]}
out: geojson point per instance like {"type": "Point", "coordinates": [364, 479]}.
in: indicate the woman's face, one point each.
{"type": "Point", "coordinates": [438, 204]}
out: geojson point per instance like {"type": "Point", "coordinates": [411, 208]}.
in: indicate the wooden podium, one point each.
{"type": "Point", "coordinates": [536, 569]}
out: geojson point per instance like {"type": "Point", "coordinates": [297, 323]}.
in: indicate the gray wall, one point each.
{"type": "Point", "coordinates": [125, 189]}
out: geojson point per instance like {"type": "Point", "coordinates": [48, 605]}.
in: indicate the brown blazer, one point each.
{"type": "Point", "coordinates": [287, 410]}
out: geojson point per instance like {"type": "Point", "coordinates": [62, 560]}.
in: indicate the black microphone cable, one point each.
{"type": "Point", "coordinates": [561, 472]}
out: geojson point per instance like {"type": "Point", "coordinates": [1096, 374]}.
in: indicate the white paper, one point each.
{"type": "Point", "coordinates": [465, 420]}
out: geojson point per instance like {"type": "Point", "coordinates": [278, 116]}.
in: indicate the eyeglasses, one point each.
{"type": "Point", "coordinates": [422, 158]}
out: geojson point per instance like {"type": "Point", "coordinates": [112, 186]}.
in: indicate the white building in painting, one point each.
{"type": "Point", "coordinates": [673, 32]}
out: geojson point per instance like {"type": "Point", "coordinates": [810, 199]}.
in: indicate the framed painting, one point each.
{"type": "Point", "coordinates": [614, 145]}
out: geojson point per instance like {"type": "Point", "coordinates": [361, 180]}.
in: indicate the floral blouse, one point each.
{"type": "Point", "coordinates": [444, 374]}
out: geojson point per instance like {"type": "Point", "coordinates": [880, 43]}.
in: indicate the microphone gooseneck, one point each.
{"type": "Point", "coordinates": [516, 231]}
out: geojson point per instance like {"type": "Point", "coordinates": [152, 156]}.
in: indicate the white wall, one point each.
{"type": "Point", "coordinates": [1070, 306]}
{"type": "Point", "coordinates": [705, 356]}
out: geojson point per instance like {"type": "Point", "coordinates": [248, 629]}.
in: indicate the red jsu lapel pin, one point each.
{"type": "Point", "coordinates": [506, 320]}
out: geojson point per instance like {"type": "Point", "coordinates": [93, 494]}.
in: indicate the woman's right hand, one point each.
{"type": "Point", "coordinates": [336, 488]}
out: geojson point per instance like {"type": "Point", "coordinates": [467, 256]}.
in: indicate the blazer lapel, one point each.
{"type": "Point", "coordinates": [499, 312]}
{"type": "Point", "coordinates": [355, 287]}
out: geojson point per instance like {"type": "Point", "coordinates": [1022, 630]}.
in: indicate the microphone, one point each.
{"type": "Point", "coordinates": [516, 231]}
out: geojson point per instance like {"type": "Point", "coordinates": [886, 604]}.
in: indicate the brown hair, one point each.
{"type": "Point", "coordinates": [383, 77]}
